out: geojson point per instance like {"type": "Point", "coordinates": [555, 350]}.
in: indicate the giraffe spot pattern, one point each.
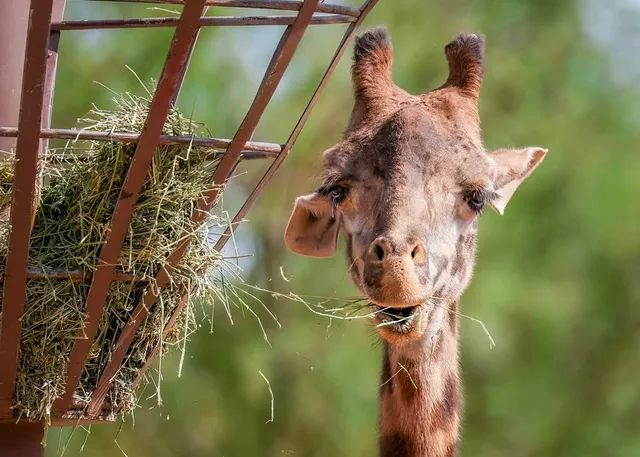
{"type": "Point", "coordinates": [408, 380]}
{"type": "Point", "coordinates": [397, 445]}
{"type": "Point", "coordinates": [386, 383]}
{"type": "Point", "coordinates": [450, 404]}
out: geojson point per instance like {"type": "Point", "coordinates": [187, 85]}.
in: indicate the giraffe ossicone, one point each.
{"type": "Point", "coordinates": [405, 186]}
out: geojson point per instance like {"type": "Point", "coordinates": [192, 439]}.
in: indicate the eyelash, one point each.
{"type": "Point", "coordinates": [336, 192]}
{"type": "Point", "coordinates": [476, 199]}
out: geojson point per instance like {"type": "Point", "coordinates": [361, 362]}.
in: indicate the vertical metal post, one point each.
{"type": "Point", "coordinates": [27, 148]}
{"type": "Point", "coordinates": [22, 440]}
{"type": "Point", "coordinates": [14, 19]}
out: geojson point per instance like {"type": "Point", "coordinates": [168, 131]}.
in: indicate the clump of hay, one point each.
{"type": "Point", "coordinates": [71, 224]}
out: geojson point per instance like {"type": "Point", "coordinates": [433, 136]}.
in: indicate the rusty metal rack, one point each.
{"type": "Point", "coordinates": [33, 131]}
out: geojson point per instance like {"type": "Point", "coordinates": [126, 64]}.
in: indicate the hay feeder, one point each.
{"type": "Point", "coordinates": [22, 434]}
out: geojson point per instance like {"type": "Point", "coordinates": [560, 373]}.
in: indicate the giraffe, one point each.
{"type": "Point", "coordinates": [406, 185]}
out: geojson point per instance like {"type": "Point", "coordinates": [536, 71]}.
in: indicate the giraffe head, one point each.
{"type": "Point", "coordinates": [406, 185]}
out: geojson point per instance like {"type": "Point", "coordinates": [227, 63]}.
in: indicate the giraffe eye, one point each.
{"type": "Point", "coordinates": [476, 200]}
{"type": "Point", "coordinates": [337, 194]}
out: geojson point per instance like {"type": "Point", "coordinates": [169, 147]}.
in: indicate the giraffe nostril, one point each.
{"type": "Point", "coordinates": [380, 250]}
{"type": "Point", "coordinates": [418, 253]}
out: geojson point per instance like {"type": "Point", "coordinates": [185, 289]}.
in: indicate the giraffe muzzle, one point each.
{"type": "Point", "coordinates": [399, 325]}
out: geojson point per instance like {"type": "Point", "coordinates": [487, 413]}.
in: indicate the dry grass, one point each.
{"type": "Point", "coordinates": [7, 170]}
{"type": "Point", "coordinates": [78, 200]}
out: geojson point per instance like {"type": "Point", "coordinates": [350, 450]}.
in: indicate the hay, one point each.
{"type": "Point", "coordinates": [7, 170]}
{"type": "Point", "coordinates": [71, 225]}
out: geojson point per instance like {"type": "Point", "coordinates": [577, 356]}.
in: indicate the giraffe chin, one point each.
{"type": "Point", "coordinates": [401, 325]}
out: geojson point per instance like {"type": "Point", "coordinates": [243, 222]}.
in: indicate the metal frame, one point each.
{"type": "Point", "coordinates": [229, 21]}
{"type": "Point", "coordinates": [27, 150]}
{"type": "Point", "coordinates": [267, 150]}
{"type": "Point", "coordinates": [33, 131]}
{"type": "Point", "coordinates": [22, 440]}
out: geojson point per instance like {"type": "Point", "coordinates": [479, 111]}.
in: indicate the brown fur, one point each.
{"type": "Point", "coordinates": [405, 185]}
{"type": "Point", "coordinates": [425, 401]}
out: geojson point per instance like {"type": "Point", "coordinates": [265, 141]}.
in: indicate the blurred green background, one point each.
{"type": "Point", "coordinates": [558, 277]}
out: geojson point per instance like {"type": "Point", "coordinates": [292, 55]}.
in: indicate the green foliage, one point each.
{"type": "Point", "coordinates": [556, 281]}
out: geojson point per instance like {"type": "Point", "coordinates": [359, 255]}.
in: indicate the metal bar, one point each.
{"type": "Point", "coordinates": [296, 131]}
{"type": "Point", "coordinates": [282, 5]}
{"type": "Point", "coordinates": [52, 65]}
{"type": "Point", "coordinates": [23, 439]}
{"type": "Point", "coordinates": [185, 67]}
{"type": "Point", "coordinates": [81, 420]}
{"type": "Point", "coordinates": [60, 159]}
{"type": "Point", "coordinates": [158, 111]}
{"type": "Point", "coordinates": [279, 63]}
{"type": "Point", "coordinates": [27, 146]}
{"type": "Point", "coordinates": [76, 275]}
{"type": "Point", "coordinates": [156, 349]}
{"type": "Point", "coordinates": [213, 21]}
{"type": "Point", "coordinates": [49, 84]}
{"type": "Point", "coordinates": [122, 137]}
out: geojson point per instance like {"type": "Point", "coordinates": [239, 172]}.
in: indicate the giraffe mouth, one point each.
{"type": "Point", "coordinates": [400, 320]}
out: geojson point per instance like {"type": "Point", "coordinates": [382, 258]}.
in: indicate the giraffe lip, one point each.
{"type": "Point", "coordinates": [398, 320]}
{"type": "Point", "coordinates": [399, 313]}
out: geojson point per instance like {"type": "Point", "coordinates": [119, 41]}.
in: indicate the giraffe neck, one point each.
{"type": "Point", "coordinates": [420, 395]}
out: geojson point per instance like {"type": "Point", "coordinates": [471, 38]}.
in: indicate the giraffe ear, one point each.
{"type": "Point", "coordinates": [313, 227]}
{"type": "Point", "coordinates": [512, 167]}
{"type": "Point", "coordinates": [371, 70]}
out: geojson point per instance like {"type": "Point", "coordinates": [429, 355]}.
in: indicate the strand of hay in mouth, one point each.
{"type": "Point", "coordinates": [78, 200]}
{"type": "Point", "coordinates": [352, 309]}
